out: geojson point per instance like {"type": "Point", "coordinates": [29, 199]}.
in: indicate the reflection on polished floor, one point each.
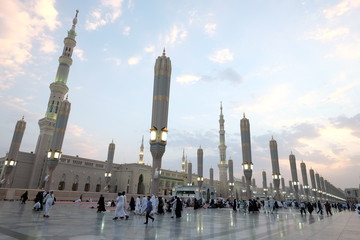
{"type": "Point", "coordinates": [79, 221]}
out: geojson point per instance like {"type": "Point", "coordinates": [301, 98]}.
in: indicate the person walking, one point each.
{"type": "Point", "coordinates": [173, 207]}
{"type": "Point", "coordinates": [148, 210]}
{"type": "Point", "coordinates": [143, 205]}
{"type": "Point", "coordinates": [302, 208]}
{"type": "Point", "coordinates": [48, 203]}
{"type": "Point", "coordinates": [132, 204]}
{"type": "Point", "coordinates": [24, 197]}
{"type": "Point", "coordinates": [119, 211]}
{"type": "Point", "coordinates": [101, 204]}
{"type": "Point", "coordinates": [328, 208]}
{"type": "Point", "coordinates": [310, 207]}
{"type": "Point", "coordinates": [125, 207]}
{"type": "Point", "coordinates": [319, 206]}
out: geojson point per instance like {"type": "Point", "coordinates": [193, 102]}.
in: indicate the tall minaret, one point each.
{"type": "Point", "coordinates": [313, 184]}
{"type": "Point", "coordinates": [183, 163]}
{"type": "Point", "coordinates": [211, 176]}
{"type": "Point", "coordinates": [265, 189]}
{"type": "Point", "coordinates": [323, 190]}
{"type": "Point", "coordinates": [200, 166]}
{"type": "Point", "coordinates": [222, 165]}
{"type": "Point", "coordinates": [189, 173]}
{"type": "Point", "coordinates": [275, 168]}
{"type": "Point", "coordinates": [11, 159]}
{"type": "Point", "coordinates": [47, 124]}
{"type": "Point", "coordinates": [283, 188]}
{"type": "Point", "coordinates": [231, 177]}
{"type": "Point", "coordinates": [294, 175]}
{"type": "Point", "coordinates": [141, 154]}
{"type": "Point", "coordinates": [319, 187]}
{"type": "Point", "coordinates": [109, 164]}
{"type": "Point", "coordinates": [246, 153]}
{"type": "Point", "coordinates": [305, 179]}
{"type": "Point", "coordinates": [160, 110]}
{"type": "Point", "coordinates": [54, 153]}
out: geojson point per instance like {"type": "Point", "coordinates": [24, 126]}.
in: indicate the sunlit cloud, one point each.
{"type": "Point", "coordinates": [22, 23]}
{"type": "Point", "coordinates": [222, 56]}
{"type": "Point", "coordinates": [107, 12]}
{"type": "Point", "coordinates": [79, 53]}
{"type": "Point", "coordinates": [75, 130]}
{"type": "Point", "coordinates": [134, 60]}
{"type": "Point", "coordinates": [126, 31]}
{"type": "Point", "coordinates": [187, 79]}
{"type": "Point", "coordinates": [347, 51]}
{"type": "Point", "coordinates": [48, 45]}
{"type": "Point", "coordinates": [149, 49]}
{"type": "Point", "coordinates": [210, 28]}
{"type": "Point", "coordinates": [177, 34]}
{"type": "Point", "coordinates": [341, 8]}
{"type": "Point", "coordinates": [328, 33]}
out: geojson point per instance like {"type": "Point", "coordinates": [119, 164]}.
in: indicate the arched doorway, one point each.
{"type": "Point", "coordinates": [141, 186]}
{"type": "Point", "coordinates": [98, 185]}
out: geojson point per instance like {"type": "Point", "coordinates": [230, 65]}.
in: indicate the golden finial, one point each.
{"type": "Point", "coordinates": [164, 52]}
{"type": "Point", "coordinates": [22, 119]}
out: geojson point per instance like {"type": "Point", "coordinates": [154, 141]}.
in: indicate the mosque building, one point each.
{"type": "Point", "coordinates": [74, 173]}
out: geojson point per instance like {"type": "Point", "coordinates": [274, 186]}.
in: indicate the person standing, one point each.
{"type": "Point", "coordinates": [138, 206]}
{"type": "Point", "coordinates": [173, 207]}
{"type": "Point", "coordinates": [319, 205]}
{"type": "Point", "coordinates": [24, 197]}
{"type": "Point", "coordinates": [148, 210]}
{"type": "Point", "coordinates": [125, 202]}
{"type": "Point", "coordinates": [178, 208]}
{"type": "Point", "coordinates": [328, 208]}
{"type": "Point", "coordinates": [160, 206]}
{"type": "Point", "coordinates": [132, 204]}
{"type": "Point", "coordinates": [101, 204]}
{"type": "Point", "coordinates": [143, 205]}
{"type": "Point", "coordinates": [48, 202]}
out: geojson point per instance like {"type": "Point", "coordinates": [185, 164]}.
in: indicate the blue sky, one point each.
{"type": "Point", "coordinates": [291, 66]}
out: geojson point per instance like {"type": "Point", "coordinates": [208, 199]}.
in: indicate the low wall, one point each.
{"type": "Point", "coordinates": [12, 194]}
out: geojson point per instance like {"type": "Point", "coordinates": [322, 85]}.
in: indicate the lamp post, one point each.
{"type": "Point", "coordinates": [231, 188]}
{"type": "Point", "coordinates": [247, 168]}
{"type": "Point", "coordinates": [53, 160]}
{"type": "Point", "coordinates": [200, 182]}
{"type": "Point", "coordinates": [9, 166]}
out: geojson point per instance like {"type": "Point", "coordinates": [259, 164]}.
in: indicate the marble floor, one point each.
{"type": "Point", "coordinates": [71, 221]}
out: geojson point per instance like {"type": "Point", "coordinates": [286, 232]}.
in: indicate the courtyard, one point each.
{"type": "Point", "coordinates": [77, 221]}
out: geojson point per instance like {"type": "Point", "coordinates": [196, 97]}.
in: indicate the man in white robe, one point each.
{"type": "Point", "coordinates": [138, 205]}
{"type": "Point", "coordinates": [143, 205]}
{"type": "Point", "coordinates": [48, 202]}
{"type": "Point", "coordinates": [119, 211]}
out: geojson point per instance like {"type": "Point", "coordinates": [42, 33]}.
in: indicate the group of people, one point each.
{"type": "Point", "coordinates": [43, 199]}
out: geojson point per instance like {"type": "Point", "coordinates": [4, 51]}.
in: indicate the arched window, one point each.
{"type": "Point", "coordinates": [61, 185]}
{"type": "Point", "coordinates": [141, 186]}
{"type": "Point", "coordinates": [87, 184]}
{"type": "Point", "coordinates": [75, 183]}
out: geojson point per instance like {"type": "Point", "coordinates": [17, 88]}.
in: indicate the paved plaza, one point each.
{"type": "Point", "coordinates": [75, 221]}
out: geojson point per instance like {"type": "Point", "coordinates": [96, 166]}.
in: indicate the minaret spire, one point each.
{"type": "Point", "coordinates": [223, 166]}
{"type": "Point", "coordinates": [141, 154]}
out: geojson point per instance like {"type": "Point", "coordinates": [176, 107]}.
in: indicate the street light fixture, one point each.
{"type": "Point", "coordinates": [247, 166]}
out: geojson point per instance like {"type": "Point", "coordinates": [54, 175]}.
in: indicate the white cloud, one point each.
{"type": "Point", "coordinates": [80, 54]}
{"type": "Point", "coordinates": [75, 130]}
{"type": "Point", "coordinates": [126, 30]}
{"type": "Point", "coordinates": [187, 79]}
{"type": "Point", "coordinates": [327, 33]}
{"type": "Point", "coordinates": [117, 61]}
{"type": "Point", "coordinates": [149, 49]}
{"type": "Point", "coordinates": [177, 34]}
{"type": "Point", "coordinates": [134, 60]}
{"type": "Point", "coordinates": [107, 12]}
{"type": "Point", "coordinates": [47, 44]}
{"type": "Point", "coordinates": [222, 56]}
{"type": "Point", "coordinates": [341, 8]}
{"type": "Point", "coordinates": [347, 51]}
{"type": "Point", "coordinates": [210, 28]}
